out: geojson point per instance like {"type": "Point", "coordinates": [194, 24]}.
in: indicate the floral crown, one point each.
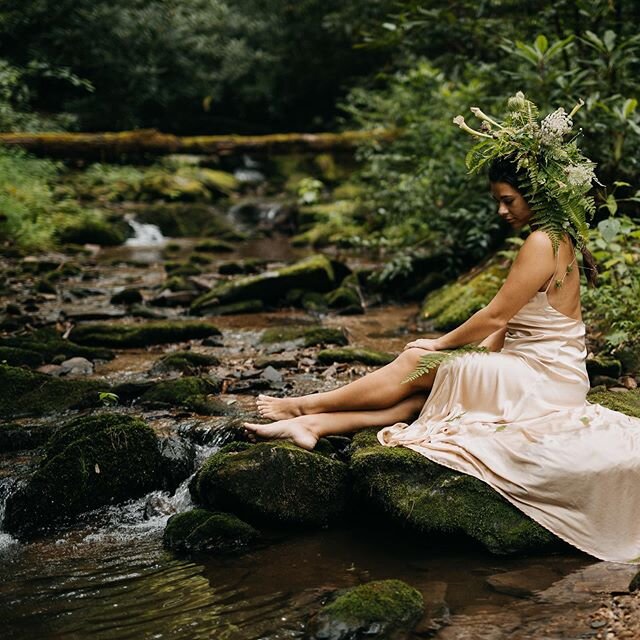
{"type": "Point", "coordinates": [558, 176]}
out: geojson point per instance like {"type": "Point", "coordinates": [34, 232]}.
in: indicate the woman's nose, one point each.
{"type": "Point", "coordinates": [502, 209]}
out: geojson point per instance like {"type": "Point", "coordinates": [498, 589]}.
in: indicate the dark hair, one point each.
{"type": "Point", "coordinates": [506, 170]}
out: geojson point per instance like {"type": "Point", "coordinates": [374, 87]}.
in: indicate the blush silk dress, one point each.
{"type": "Point", "coordinates": [518, 420]}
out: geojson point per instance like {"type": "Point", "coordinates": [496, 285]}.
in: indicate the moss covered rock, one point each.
{"type": "Point", "coordinates": [449, 306]}
{"type": "Point", "coordinates": [89, 462]}
{"type": "Point", "coordinates": [625, 401]}
{"type": "Point", "coordinates": [365, 356]}
{"type": "Point", "coordinates": [15, 437]}
{"type": "Point", "coordinates": [275, 482]}
{"type": "Point", "coordinates": [187, 361]}
{"type": "Point", "coordinates": [48, 343]}
{"type": "Point", "coordinates": [305, 336]}
{"type": "Point", "coordinates": [180, 391]}
{"type": "Point", "coordinates": [407, 488]}
{"type": "Point", "coordinates": [28, 393]}
{"type": "Point", "coordinates": [202, 530]}
{"type": "Point", "coordinates": [377, 609]}
{"type": "Point", "coordinates": [17, 357]}
{"type": "Point", "coordinates": [214, 246]}
{"type": "Point", "coordinates": [314, 273]}
{"type": "Point", "coordinates": [233, 308]}
{"type": "Point", "coordinates": [91, 231]}
{"type": "Point", "coordinates": [141, 334]}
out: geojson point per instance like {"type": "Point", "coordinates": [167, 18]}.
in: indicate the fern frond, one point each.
{"type": "Point", "coordinates": [434, 359]}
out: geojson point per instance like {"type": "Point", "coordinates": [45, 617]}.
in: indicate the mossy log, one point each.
{"type": "Point", "coordinates": [114, 146]}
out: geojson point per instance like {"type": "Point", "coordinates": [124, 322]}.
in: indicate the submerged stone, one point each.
{"type": "Point", "coordinates": [202, 530]}
{"type": "Point", "coordinates": [314, 273]}
{"type": "Point", "coordinates": [29, 393]}
{"type": "Point", "coordinates": [405, 487]}
{"type": "Point", "coordinates": [306, 336]}
{"type": "Point", "coordinates": [141, 334]}
{"type": "Point", "coordinates": [89, 462]}
{"type": "Point", "coordinates": [377, 609]}
{"type": "Point", "coordinates": [366, 356]}
{"type": "Point", "coordinates": [276, 482]}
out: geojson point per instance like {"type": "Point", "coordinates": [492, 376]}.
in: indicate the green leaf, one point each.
{"type": "Point", "coordinates": [609, 229]}
{"type": "Point", "coordinates": [541, 44]}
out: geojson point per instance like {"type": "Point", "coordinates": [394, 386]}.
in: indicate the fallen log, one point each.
{"type": "Point", "coordinates": [141, 142]}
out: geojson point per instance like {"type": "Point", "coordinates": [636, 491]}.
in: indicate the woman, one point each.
{"type": "Point", "coordinates": [516, 417]}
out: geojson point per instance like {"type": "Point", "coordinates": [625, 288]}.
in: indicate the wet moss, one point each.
{"type": "Point", "coordinates": [344, 297]}
{"type": "Point", "coordinates": [451, 305]}
{"type": "Point", "coordinates": [28, 393]}
{"type": "Point", "coordinates": [365, 356]}
{"type": "Point", "coordinates": [214, 246]}
{"type": "Point", "coordinates": [387, 605]}
{"type": "Point", "coordinates": [49, 344]}
{"type": "Point", "coordinates": [202, 530]}
{"type": "Point", "coordinates": [91, 231]}
{"type": "Point", "coordinates": [314, 273]}
{"type": "Point", "coordinates": [186, 361]}
{"type": "Point", "coordinates": [17, 437]}
{"type": "Point", "coordinates": [142, 334]}
{"type": "Point", "coordinates": [180, 391]}
{"type": "Point", "coordinates": [624, 401]}
{"type": "Point", "coordinates": [17, 357]}
{"type": "Point", "coordinates": [89, 462]}
{"type": "Point", "coordinates": [306, 336]}
{"type": "Point", "coordinates": [415, 492]}
{"type": "Point", "coordinates": [273, 482]}
{"type": "Point", "coordinates": [233, 308]}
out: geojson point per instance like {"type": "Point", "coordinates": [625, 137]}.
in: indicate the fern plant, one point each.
{"type": "Point", "coordinates": [558, 177]}
{"type": "Point", "coordinates": [434, 359]}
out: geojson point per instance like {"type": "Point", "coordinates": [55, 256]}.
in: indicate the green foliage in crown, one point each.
{"type": "Point", "coordinates": [558, 176]}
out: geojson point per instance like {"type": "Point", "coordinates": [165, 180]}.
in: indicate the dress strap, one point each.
{"type": "Point", "coordinates": [554, 271]}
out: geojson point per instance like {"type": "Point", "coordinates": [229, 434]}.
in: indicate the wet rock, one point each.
{"type": "Point", "coordinates": [127, 296]}
{"type": "Point", "coordinates": [345, 297]}
{"type": "Point", "coordinates": [601, 365]}
{"type": "Point", "coordinates": [17, 357]}
{"type": "Point", "coordinates": [634, 585]}
{"type": "Point", "coordinates": [17, 437]}
{"type": "Point", "coordinates": [186, 361]}
{"type": "Point", "coordinates": [44, 285]}
{"type": "Point", "coordinates": [523, 583]}
{"type": "Point", "coordinates": [76, 367]}
{"type": "Point", "coordinates": [142, 311]}
{"type": "Point", "coordinates": [378, 609]}
{"type": "Point", "coordinates": [181, 220]}
{"type": "Point", "coordinates": [365, 356]}
{"type": "Point", "coordinates": [182, 269]}
{"type": "Point", "coordinates": [403, 486]}
{"type": "Point", "coordinates": [249, 266]}
{"type": "Point", "coordinates": [91, 231]}
{"type": "Point", "coordinates": [89, 462]}
{"type": "Point", "coordinates": [49, 344]}
{"type": "Point", "coordinates": [251, 386]}
{"type": "Point", "coordinates": [245, 306]}
{"type": "Point", "coordinates": [314, 273]}
{"type": "Point", "coordinates": [178, 461]}
{"type": "Point", "coordinates": [141, 334]}
{"type": "Point", "coordinates": [180, 392]}
{"type": "Point", "coordinates": [272, 375]}
{"type": "Point", "coordinates": [214, 246]}
{"type": "Point", "coordinates": [305, 336]}
{"type": "Point", "coordinates": [51, 370]}
{"type": "Point", "coordinates": [202, 530]}
{"type": "Point", "coordinates": [277, 482]}
{"type": "Point", "coordinates": [213, 341]}
{"type": "Point", "coordinates": [172, 187]}
{"type": "Point", "coordinates": [29, 393]}
{"type": "Point", "coordinates": [169, 298]}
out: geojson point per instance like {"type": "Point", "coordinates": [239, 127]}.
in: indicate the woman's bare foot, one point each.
{"type": "Point", "coordinates": [279, 408]}
{"type": "Point", "coordinates": [292, 429]}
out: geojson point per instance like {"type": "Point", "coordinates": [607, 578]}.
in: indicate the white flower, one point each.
{"type": "Point", "coordinates": [579, 175]}
{"type": "Point", "coordinates": [554, 126]}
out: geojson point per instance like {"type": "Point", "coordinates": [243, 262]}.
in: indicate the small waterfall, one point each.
{"type": "Point", "coordinates": [6, 539]}
{"type": "Point", "coordinates": [146, 235]}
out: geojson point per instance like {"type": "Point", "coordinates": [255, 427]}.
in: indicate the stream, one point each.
{"type": "Point", "coordinates": [108, 577]}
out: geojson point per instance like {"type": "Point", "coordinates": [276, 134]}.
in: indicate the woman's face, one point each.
{"type": "Point", "coordinates": [512, 207]}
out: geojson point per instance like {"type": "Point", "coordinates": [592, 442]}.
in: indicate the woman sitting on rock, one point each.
{"type": "Point", "coordinates": [515, 416]}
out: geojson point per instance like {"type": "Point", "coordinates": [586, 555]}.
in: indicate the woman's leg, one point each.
{"type": "Point", "coordinates": [377, 390]}
{"type": "Point", "coordinates": [305, 430]}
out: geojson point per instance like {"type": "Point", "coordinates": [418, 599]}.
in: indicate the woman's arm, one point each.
{"type": "Point", "coordinates": [533, 266]}
{"type": "Point", "coordinates": [494, 341]}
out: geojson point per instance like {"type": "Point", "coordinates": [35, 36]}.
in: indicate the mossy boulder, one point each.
{"type": "Point", "coordinates": [233, 308]}
{"type": "Point", "coordinates": [403, 486]}
{"type": "Point", "coordinates": [602, 365]}
{"type": "Point", "coordinates": [129, 295]}
{"type": "Point", "coordinates": [29, 393]}
{"type": "Point", "coordinates": [214, 246]}
{"type": "Point", "coordinates": [200, 530]}
{"type": "Point", "coordinates": [89, 462]}
{"type": "Point", "coordinates": [187, 361]}
{"type": "Point", "coordinates": [91, 231]}
{"type": "Point", "coordinates": [305, 336]}
{"type": "Point", "coordinates": [275, 482]}
{"type": "Point", "coordinates": [16, 437]}
{"type": "Point", "coordinates": [345, 298]}
{"type": "Point", "coordinates": [17, 357]}
{"type": "Point", "coordinates": [381, 609]}
{"type": "Point", "coordinates": [624, 401]}
{"type": "Point", "coordinates": [180, 220]}
{"type": "Point", "coordinates": [158, 185]}
{"type": "Point", "coordinates": [365, 356]}
{"type": "Point", "coordinates": [141, 334]}
{"type": "Point", "coordinates": [181, 391]}
{"type": "Point", "coordinates": [49, 344]}
{"type": "Point", "coordinates": [314, 273]}
{"type": "Point", "coordinates": [451, 305]}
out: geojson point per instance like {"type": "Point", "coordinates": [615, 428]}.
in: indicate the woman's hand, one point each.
{"type": "Point", "coordinates": [424, 343]}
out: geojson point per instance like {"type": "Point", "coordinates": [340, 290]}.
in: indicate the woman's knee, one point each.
{"type": "Point", "coordinates": [411, 357]}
